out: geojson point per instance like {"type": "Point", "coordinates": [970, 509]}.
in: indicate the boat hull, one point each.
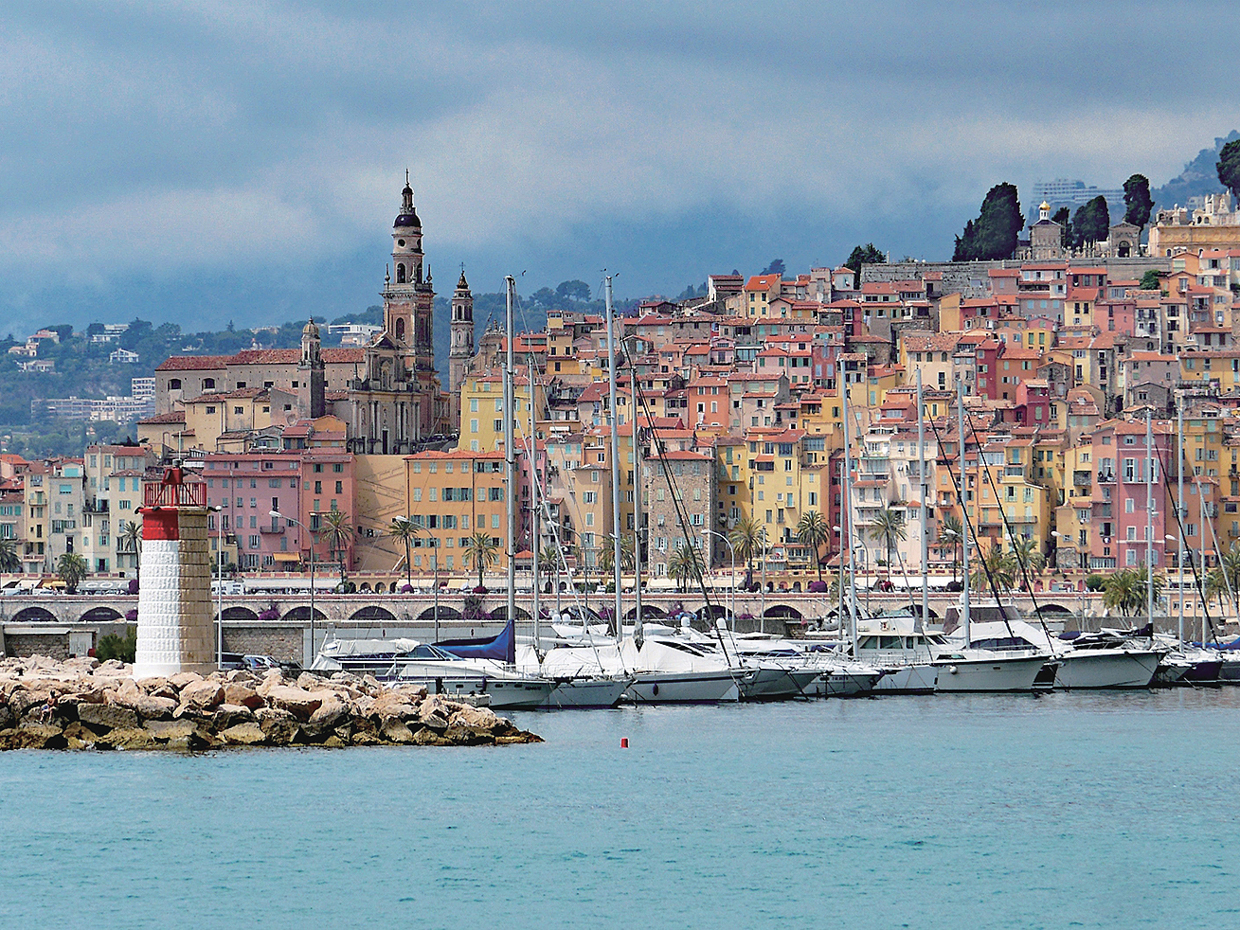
{"type": "Point", "coordinates": [505, 693]}
{"type": "Point", "coordinates": [908, 679]}
{"type": "Point", "coordinates": [777, 684]}
{"type": "Point", "coordinates": [683, 688]}
{"type": "Point", "coordinates": [1106, 668]}
{"type": "Point", "coordinates": [585, 693]}
{"type": "Point", "coordinates": [974, 675]}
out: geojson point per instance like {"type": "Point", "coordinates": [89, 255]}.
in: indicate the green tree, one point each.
{"type": "Point", "coordinates": [1029, 557]}
{"type": "Point", "coordinates": [1229, 169]}
{"type": "Point", "coordinates": [685, 565]}
{"type": "Point", "coordinates": [951, 533]}
{"type": "Point", "coordinates": [1137, 202]}
{"type": "Point", "coordinates": [888, 528]}
{"type": "Point", "coordinates": [1091, 222]}
{"type": "Point", "coordinates": [606, 556]}
{"type": "Point", "coordinates": [482, 552]}
{"type": "Point", "coordinates": [1126, 592]}
{"type": "Point", "coordinates": [814, 531]}
{"type": "Point", "coordinates": [995, 232]}
{"type": "Point", "coordinates": [402, 529]}
{"type": "Point", "coordinates": [1151, 281]}
{"type": "Point", "coordinates": [130, 541]}
{"type": "Point", "coordinates": [996, 564]}
{"type": "Point", "coordinates": [573, 290]}
{"type": "Point", "coordinates": [339, 534]}
{"type": "Point", "coordinates": [1063, 216]}
{"type": "Point", "coordinates": [747, 539]}
{"type": "Point", "coordinates": [862, 255]}
{"type": "Point", "coordinates": [72, 568]}
{"type": "Point", "coordinates": [10, 561]}
{"type": "Point", "coordinates": [775, 267]}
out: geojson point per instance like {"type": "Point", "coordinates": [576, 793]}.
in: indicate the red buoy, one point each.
{"type": "Point", "coordinates": [624, 742]}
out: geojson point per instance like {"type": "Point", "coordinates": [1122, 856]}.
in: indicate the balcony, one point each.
{"type": "Point", "coordinates": [96, 506]}
{"type": "Point", "coordinates": [1106, 477]}
{"type": "Point", "coordinates": [272, 528]}
{"type": "Point", "coordinates": [1082, 479]}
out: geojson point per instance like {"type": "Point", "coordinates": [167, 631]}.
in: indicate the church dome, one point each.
{"type": "Point", "coordinates": [311, 329]}
{"type": "Point", "coordinates": [408, 219]}
{"type": "Point", "coordinates": [408, 213]}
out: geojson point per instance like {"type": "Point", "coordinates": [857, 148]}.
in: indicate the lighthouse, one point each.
{"type": "Point", "coordinates": [174, 600]}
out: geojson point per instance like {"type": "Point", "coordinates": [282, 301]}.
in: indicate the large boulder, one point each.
{"type": "Point", "coordinates": [170, 729]}
{"type": "Point", "coordinates": [231, 715]}
{"type": "Point", "coordinates": [393, 704]}
{"type": "Point", "coordinates": [297, 701]}
{"type": "Point", "coordinates": [241, 693]}
{"type": "Point", "coordinates": [104, 717]}
{"type": "Point", "coordinates": [331, 712]}
{"type": "Point", "coordinates": [202, 694]}
{"type": "Point", "coordinates": [181, 679]}
{"type": "Point", "coordinates": [244, 734]}
{"type": "Point", "coordinates": [145, 705]}
{"type": "Point", "coordinates": [126, 738]}
{"type": "Point", "coordinates": [279, 725]}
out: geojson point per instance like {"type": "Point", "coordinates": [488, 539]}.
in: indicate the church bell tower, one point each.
{"type": "Point", "coordinates": [461, 344]}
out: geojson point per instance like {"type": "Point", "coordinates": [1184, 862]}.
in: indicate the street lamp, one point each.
{"type": "Point", "coordinates": [709, 532]}
{"type": "Point", "coordinates": [434, 564]}
{"type": "Point", "coordinates": [275, 514]}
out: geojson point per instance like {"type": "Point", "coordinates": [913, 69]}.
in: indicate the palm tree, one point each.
{"type": "Point", "coordinates": [996, 564]}
{"type": "Point", "coordinates": [130, 539]}
{"type": "Point", "coordinates": [1216, 586]}
{"type": "Point", "coordinates": [403, 529]}
{"type": "Point", "coordinates": [1028, 555]}
{"type": "Point", "coordinates": [685, 565]}
{"type": "Point", "coordinates": [951, 533]}
{"type": "Point", "coordinates": [338, 532]}
{"type": "Point", "coordinates": [1125, 590]}
{"type": "Point", "coordinates": [482, 551]}
{"type": "Point", "coordinates": [72, 568]}
{"type": "Point", "coordinates": [888, 528]}
{"type": "Point", "coordinates": [606, 556]}
{"type": "Point", "coordinates": [10, 561]}
{"type": "Point", "coordinates": [747, 539]}
{"type": "Point", "coordinates": [813, 530]}
{"type": "Point", "coordinates": [1230, 563]}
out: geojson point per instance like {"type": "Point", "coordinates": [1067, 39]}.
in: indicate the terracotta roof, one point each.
{"type": "Point", "coordinates": [192, 362]}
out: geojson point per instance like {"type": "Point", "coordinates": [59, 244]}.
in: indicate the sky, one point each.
{"type": "Point", "coordinates": [208, 161]}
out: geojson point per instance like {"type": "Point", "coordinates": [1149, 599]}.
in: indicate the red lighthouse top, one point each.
{"type": "Point", "coordinates": [175, 490]}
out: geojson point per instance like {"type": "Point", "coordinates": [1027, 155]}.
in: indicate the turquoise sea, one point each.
{"type": "Point", "coordinates": [1067, 810]}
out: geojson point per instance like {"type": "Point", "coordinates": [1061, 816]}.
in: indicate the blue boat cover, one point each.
{"type": "Point", "coordinates": [502, 647]}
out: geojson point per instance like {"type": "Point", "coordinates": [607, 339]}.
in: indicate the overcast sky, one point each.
{"type": "Point", "coordinates": [200, 161]}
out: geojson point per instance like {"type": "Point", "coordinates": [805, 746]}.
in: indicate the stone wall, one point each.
{"type": "Point", "coordinates": [285, 643]}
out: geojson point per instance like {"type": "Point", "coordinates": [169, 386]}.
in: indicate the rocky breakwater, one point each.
{"type": "Point", "coordinates": [84, 704]}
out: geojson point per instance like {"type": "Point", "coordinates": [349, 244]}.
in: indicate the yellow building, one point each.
{"type": "Point", "coordinates": [452, 496]}
{"type": "Point", "coordinates": [482, 411]}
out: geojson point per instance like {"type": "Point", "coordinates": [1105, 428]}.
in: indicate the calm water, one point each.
{"type": "Point", "coordinates": [1061, 811]}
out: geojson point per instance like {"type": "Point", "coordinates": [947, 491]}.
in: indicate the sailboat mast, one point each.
{"type": "Point", "coordinates": [1180, 511]}
{"type": "Point", "coordinates": [637, 510]}
{"type": "Point", "coordinates": [615, 450]}
{"type": "Point", "coordinates": [963, 492]}
{"type": "Point", "coordinates": [1149, 514]}
{"type": "Point", "coordinates": [921, 475]}
{"type": "Point", "coordinates": [846, 518]}
{"type": "Point", "coordinates": [510, 453]}
{"type": "Point", "coordinates": [534, 505]}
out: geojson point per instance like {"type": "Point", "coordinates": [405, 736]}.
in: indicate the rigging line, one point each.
{"type": "Point", "coordinates": [968, 523]}
{"type": "Point", "coordinates": [1020, 559]}
{"type": "Point", "coordinates": [885, 538]}
{"type": "Point", "coordinates": [697, 569]}
{"type": "Point", "coordinates": [1192, 564]}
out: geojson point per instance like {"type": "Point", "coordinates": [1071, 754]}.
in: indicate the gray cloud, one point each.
{"type": "Point", "coordinates": [145, 141]}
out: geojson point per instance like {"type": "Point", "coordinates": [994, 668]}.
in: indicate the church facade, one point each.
{"type": "Point", "coordinates": [387, 392]}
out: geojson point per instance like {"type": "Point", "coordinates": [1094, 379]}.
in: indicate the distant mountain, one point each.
{"type": "Point", "coordinates": [1200, 176]}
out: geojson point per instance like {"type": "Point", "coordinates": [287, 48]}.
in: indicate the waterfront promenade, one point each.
{"type": "Point", "coordinates": [279, 624]}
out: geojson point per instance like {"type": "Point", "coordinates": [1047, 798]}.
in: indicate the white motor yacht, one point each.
{"type": "Point", "coordinates": [660, 672]}
{"type": "Point", "coordinates": [1096, 663]}
{"type": "Point", "coordinates": [411, 662]}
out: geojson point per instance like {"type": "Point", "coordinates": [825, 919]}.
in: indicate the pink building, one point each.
{"type": "Point", "coordinates": [300, 485]}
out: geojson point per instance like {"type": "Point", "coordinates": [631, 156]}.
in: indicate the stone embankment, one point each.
{"type": "Point", "coordinates": [84, 704]}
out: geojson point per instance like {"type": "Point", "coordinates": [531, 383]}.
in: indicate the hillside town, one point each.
{"type": "Point", "coordinates": [1066, 361]}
